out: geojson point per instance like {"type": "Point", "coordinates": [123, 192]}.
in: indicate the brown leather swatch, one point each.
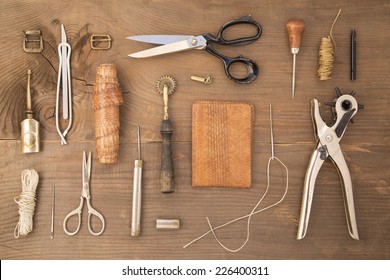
{"type": "Point", "coordinates": [222, 135]}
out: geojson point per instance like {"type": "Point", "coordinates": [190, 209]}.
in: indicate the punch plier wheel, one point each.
{"type": "Point", "coordinates": [328, 138]}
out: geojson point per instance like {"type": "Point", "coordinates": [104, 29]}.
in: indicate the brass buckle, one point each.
{"type": "Point", "coordinates": [96, 39]}
{"type": "Point", "coordinates": [32, 36]}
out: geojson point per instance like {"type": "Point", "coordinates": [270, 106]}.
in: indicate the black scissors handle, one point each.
{"type": "Point", "coordinates": [246, 20]}
{"type": "Point", "coordinates": [251, 66]}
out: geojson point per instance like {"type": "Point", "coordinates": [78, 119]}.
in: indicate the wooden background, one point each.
{"type": "Point", "coordinates": [273, 232]}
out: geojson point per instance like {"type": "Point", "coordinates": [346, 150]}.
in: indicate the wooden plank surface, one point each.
{"type": "Point", "coordinates": [273, 232]}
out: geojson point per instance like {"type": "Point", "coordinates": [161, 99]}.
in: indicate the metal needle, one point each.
{"type": "Point", "coordinates": [52, 212]}
{"type": "Point", "coordinates": [272, 132]}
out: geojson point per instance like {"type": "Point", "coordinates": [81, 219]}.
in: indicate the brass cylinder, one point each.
{"type": "Point", "coordinates": [29, 127]}
{"type": "Point", "coordinates": [30, 136]}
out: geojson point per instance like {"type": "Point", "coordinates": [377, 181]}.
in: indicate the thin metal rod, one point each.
{"type": "Point", "coordinates": [52, 211]}
{"type": "Point", "coordinates": [139, 144]}
{"type": "Point", "coordinates": [293, 76]}
{"type": "Point", "coordinates": [272, 132]}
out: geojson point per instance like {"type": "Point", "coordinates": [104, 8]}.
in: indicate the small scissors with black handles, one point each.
{"type": "Point", "coordinates": [176, 43]}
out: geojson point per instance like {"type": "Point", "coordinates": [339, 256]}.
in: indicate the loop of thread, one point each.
{"type": "Point", "coordinates": [249, 216]}
{"type": "Point", "coordinates": [326, 54]}
{"type": "Point", "coordinates": [26, 202]}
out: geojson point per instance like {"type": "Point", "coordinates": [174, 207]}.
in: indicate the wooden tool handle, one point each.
{"type": "Point", "coordinates": [167, 180]}
{"type": "Point", "coordinates": [295, 29]}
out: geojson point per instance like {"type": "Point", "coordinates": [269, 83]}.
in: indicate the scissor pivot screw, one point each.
{"type": "Point", "coordinates": [194, 41]}
{"type": "Point", "coordinates": [206, 80]}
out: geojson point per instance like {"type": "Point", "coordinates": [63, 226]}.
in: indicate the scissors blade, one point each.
{"type": "Point", "coordinates": [159, 39]}
{"type": "Point", "coordinates": [197, 42]}
{"type": "Point", "coordinates": [86, 171]}
{"type": "Point", "coordinates": [84, 168]}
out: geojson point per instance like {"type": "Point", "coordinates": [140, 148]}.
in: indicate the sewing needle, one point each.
{"type": "Point", "coordinates": [272, 132]}
{"type": "Point", "coordinates": [52, 212]}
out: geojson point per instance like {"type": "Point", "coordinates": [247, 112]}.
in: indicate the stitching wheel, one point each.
{"type": "Point", "coordinates": [168, 81]}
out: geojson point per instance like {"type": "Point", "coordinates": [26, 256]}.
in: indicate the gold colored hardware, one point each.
{"type": "Point", "coordinates": [166, 86]}
{"type": "Point", "coordinates": [29, 127]}
{"type": "Point", "coordinates": [96, 39]}
{"type": "Point", "coordinates": [33, 42]}
{"type": "Point", "coordinates": [206, 80]}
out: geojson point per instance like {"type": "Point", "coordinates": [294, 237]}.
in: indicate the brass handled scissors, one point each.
{"type": "Point", "coordinates": [176, 43]}
{"type": "Point", "coordinates": [85, 194]}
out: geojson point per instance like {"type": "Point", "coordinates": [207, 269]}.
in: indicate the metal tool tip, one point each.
{"type": "Point", "coordinates": [139, 143]}
{"type": "Point", "coordinates": [272, 132]}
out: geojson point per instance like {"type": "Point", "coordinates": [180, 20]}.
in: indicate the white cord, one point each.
{"type": "Point", "coordinates": [249, 216]}
{"type": "Point", "coordinates": [26, 202]}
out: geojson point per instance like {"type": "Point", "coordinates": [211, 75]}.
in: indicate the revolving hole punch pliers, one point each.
{"type": "Point", "coordinates": [328, 138]}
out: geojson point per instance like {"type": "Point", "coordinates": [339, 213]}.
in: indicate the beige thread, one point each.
{"type": "Point", "coordinates": [26, 202]}
{"type": "Point", "coordinates": [326, 54]}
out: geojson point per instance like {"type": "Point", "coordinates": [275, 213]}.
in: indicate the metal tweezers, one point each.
{"type": "Point", "coordinates": [64, 51]}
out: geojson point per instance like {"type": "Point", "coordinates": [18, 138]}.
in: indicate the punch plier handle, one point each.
{"type": "Point", "coordinates": [328, 139]}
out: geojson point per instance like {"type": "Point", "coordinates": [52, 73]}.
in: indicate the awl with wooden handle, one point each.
{"type": "Point", "coordinates": [137, 193]}
{"type": "Point", "coordinates": [295, 29]}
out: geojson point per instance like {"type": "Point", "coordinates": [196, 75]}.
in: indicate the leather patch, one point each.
{"type": "Point", "coordinates": [222, 134]}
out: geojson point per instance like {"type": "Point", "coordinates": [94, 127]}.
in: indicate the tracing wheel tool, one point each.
{"type": "Point", "coordinates": [166, 86]}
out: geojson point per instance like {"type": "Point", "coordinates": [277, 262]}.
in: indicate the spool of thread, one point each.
{"type": "Point", "coordinates": [26, 202]}
{"type": "Point", "coordinates": [107, 96]}
{"type": "Point", "coordinates": [326, 54]}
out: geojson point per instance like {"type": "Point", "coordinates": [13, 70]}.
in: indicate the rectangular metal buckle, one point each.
{"type": "Point", "coordinates": [35, 37]}
{"type": "Point", "coordinates": [96, 39]}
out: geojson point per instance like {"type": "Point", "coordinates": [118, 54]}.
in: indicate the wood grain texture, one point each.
{"type": "Point", "coordinates": [365, 144]}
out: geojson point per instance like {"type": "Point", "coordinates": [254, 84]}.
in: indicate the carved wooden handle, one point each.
{"type": "Point", "coordinates": [167, 178]}
{"type": "Point", "coordinates": [295, 29]}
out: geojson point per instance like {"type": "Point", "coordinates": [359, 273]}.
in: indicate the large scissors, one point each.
{"type": "Point", "coordinates": [176, 43]}
{"type": "Point", "coordinates": [85, 194]}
